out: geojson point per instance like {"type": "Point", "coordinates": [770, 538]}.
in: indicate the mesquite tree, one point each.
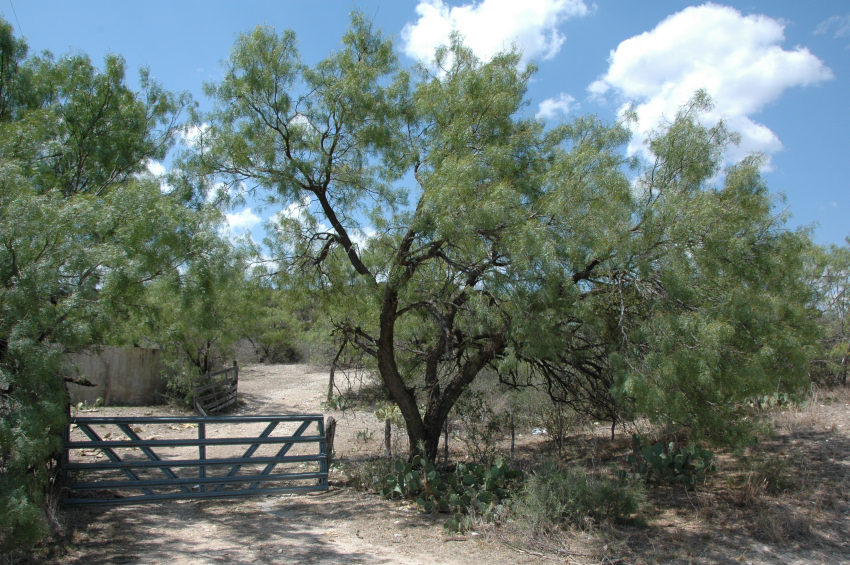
{"type": "Point", "coordinates": [82, 232]}
{"type": "Point", "coordinates": [446, 231]}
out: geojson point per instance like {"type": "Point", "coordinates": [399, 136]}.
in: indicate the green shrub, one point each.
{"type": "Point", "coordinates": [23, 521]}
{"type": "Point", "coordinates": [772, 474]}
{"type": "Point", "coordinates": [32, 418]}
{"type": "Point", "coordinates": [388, 411]}
{"type": "Point", "coordinates": [670, 463]}
{"type": "Point", "coordinates": [770, 401]}
{"type": "Point", "coordinates": [552, 498]}
{"type": "Point", "coordinates": [475, 488]}
{"type": "Point", "coordinates": [481, 425]}
{"type": "Point", "coordinates": [366, 475]}
{"type": "Point", "coordinates": [339, 402]}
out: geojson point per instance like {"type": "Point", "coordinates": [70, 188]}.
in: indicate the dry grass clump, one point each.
{"type": "Point", "coordinates": [554, 498]}
{"type": "Point", "coordinates": [814, 414]}
{"type": "Point", "coordinates": [788, 495]}
{"type": "Point", "coordinates": [781, 524]}
{"type": "Point", "coordinates": [769, 474]}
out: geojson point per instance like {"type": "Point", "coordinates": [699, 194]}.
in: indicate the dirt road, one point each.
{"type": "Point", "coordinates": [339, 526]}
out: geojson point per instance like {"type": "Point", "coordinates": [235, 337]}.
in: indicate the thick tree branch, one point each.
{"type": "Point", "coordinates": [585, 274]}
{"type": "Point", "coordinates": [342, 233]}
{"type": "Point", "coordinates": [82, 381]}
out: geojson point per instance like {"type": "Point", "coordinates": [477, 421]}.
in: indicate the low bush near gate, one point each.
{"type": "Point", "coordinates": [472, 488]}
{"type": "Point", "coordinates": [552, 498]}
{"type": "Point", "coordinates": [689, 465]}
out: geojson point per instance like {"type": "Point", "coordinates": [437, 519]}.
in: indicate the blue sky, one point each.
{"type": "Point", "coordinates": [778, 70]}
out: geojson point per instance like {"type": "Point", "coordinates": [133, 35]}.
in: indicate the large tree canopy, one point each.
{"type": "Point", "coordinates": [448, 232]}
{"type": "Point", "coordinates": [82, 230]}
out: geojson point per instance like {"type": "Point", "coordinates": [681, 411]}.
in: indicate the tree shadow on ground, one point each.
{"type": "Point", "coordinates": [275, 529]}
{"type": "Point", "coordinates": [803, 521]}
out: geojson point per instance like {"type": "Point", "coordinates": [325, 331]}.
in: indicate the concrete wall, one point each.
{"type": "Point", "coordinates": [128, 376]}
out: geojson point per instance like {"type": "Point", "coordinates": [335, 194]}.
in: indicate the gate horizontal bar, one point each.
{"type": "Point", "coordinates": [219, 462]}
{"type": "Point", "coordinates": [194, 495]}
{"type": "Point", "coordinates": [119, 443]}
{"type": "Point", "coordinates": [192, 481]}
{"type": "Point", "coordinates": [195, 419]}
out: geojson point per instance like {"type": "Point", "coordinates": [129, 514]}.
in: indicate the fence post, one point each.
{"type": "Point", "coordinates": [326, 447]}
{"type": "Point", "coordinates": [202, 453]}
{"type": "Point", "coordinates": [66, 437]}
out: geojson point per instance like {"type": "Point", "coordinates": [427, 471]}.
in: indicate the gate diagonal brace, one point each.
{"type": "Point", "coordinates": [283, 451]}
{"type": "Point", "coordinates": [248, 453]}
{"type": "Point", "coordinates": [150, 453]}
{"type": "Point", "coordinates": [92, 435]}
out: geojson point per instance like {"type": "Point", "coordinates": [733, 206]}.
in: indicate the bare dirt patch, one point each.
{"type": "Point", "coordinates": [787, 503]}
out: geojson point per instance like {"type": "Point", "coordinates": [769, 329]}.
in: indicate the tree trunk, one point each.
{"type": "Point", "coordinates": [330, 386]}
{"type": "Point", "coordinates": [331, 383]}
{"type": "Point", "coordinates": [560, 432]}
{"type": "Point", "coordinates": [424, 433]}
{"type": "Point", "coordinates": [388, 369]}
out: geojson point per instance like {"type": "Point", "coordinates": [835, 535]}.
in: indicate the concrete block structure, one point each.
{"type": "Point", "coordinates": [123, 376]}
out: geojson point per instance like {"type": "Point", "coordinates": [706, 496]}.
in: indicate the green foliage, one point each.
{"type": "Point", "coordinates": [23, 522]}
{"type": "Point", "coordinates": [338, 402]}
{"type": "Point", "coordinates": [387, 411]}
{"type": "Point", "coordinates": [671, 463]}
{"type": "Point", "coordinates": [481, 427]}
{"type": "Point", "coordinates": [830, 278]}
{"type": "Point", "coordinates": [553, 498]}
{"type": "Point", "coordinates": [277, 323]}
{"type": "Point", "coordinates": [480, 489]}
{"type": "Point", "coordinates": [197, 313]}
{"type": "Point", "coordinates": [667, 289]}
{"type": "Point", "coordinates": [84, 229]}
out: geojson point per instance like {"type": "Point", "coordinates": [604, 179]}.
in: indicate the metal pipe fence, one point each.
{"type": "Point", "coordinates": [229, 456]}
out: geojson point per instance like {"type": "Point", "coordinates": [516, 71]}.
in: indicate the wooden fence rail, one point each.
{"type": "Point", "coordinates": [216, 391]}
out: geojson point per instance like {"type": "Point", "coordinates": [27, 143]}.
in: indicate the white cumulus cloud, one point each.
{"type": "Point", "coordinates": [552, 108]}
{"type": "Point", "coordinates": [245, 219]}
{"type": "Point", "coordinates": [296, 210]}
{"type": "Point", "coordinates": [491, 26]}
{"type": "Point", "coordinates": [737, 59]}
{"type": "Point", "coordinates": [361, 237]}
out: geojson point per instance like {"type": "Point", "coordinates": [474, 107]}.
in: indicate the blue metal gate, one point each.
{"type": "Point", "coordinates": [229, 456]}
